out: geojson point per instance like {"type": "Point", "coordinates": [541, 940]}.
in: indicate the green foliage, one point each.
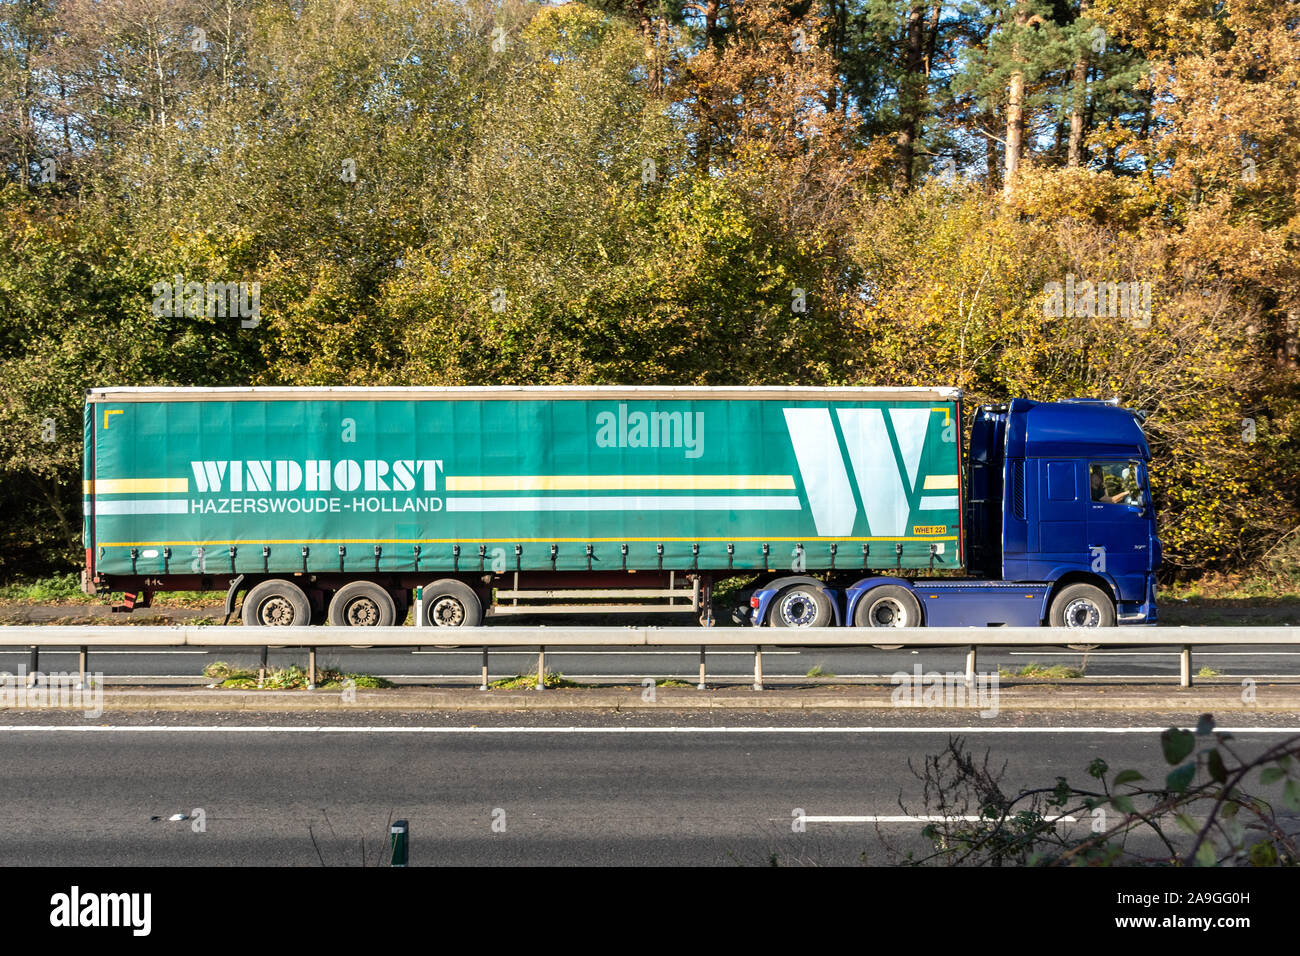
{"type": "Point", "coordinates": [435, 193]}
{"type": "Point", "coordinates": [955, 272]}
{"type": "Point", "coordinates": [66, 589]}
{"type": "Point", "coordinates": [1203, 815]}
{"type": "Point", "coordinates": [1036, 671]}
{"type": "Point", "coordinates": [59, 589]}
{"type": "Point", "coordinates": [292, 677]}
{"type": "Point", "coordinates": [331, 678]}
{"type": "Point", "coordinates": [529, 682]}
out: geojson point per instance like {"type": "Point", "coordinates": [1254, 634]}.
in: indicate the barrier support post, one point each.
{"type": "Point", "coordinates": [399, 844]}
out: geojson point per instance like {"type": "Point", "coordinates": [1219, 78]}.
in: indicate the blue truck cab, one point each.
{"type": "Point", "coordinates": [1059, 529]}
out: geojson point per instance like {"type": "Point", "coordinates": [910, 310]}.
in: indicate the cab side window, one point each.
{"type": "Point", "coordinates": [1114, 482]}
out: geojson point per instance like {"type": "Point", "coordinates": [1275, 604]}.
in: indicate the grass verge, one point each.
{"type": "Point", "coordinates": [1038, 671]}
{"type": "Point", "coordinates": [529, 682]}
{"type": "Point", "coordinates": [66, 589]}
{"type": "Point", "coordinates": [292, 677]}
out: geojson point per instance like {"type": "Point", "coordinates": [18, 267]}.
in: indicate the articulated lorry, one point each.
{"type": "Point", "coordinates": [845, 506]}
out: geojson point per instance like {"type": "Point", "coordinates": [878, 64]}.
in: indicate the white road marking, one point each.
{"type": "Point", "coordinates": [97, 653]}
{"type": "Point", "coordinates": [687, 653]}
{"type": "Point", "coordinates": [694, 676]}
{"type": "Point", "coordinates": [126, 728]}
{"type": "Point", "coordinates": [1171, 653]}
{"type": "Point", "coordinates": [920, 819]}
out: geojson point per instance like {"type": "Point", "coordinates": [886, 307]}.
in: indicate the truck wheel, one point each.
{"type": "Point", "coordinates": [362, 604]}
{"type": "Point", "coordinates": [800, 605]}
{"type": "Point", "coordinates": [888, 606]}
{"type": "Point", "coordinates": [1082, 605]}
{"type": "Point", "coordinates": [449, 603]}
{"type": "Point", "coordinates": [275, 603]}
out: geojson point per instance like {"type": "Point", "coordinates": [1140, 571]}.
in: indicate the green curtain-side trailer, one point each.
{"type": "Point", "coordinates": [412, 482]}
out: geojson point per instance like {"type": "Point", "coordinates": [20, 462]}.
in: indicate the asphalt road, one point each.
{"type": "Point", "coordinates": [647, 791]}
{"type": "Point", "coordinates": [185, 665]}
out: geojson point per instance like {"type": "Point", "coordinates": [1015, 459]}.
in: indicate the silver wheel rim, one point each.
{"type": "Point", "coordinates": [798, 609]}
{"type": "Point", "coordinates": [888, 612]}
{"type": "Point", "coordinates": [363, 612]}
{"type": "Point", "coordinates": [446, 612]}
{"type": "Point", "coordinates": [276, 611]}
{"type": "Point", "coordinates": [1082, 612]}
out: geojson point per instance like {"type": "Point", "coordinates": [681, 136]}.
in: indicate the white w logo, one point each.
{"type": "Point", "coordinates": [866, 437]}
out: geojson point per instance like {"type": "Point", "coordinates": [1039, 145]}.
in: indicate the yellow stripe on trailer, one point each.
{"type": "Point", "coordinates": [136, 486]}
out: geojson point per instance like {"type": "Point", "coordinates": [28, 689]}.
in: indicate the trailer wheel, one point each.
{"type": "Point", "coordinates": [800, 605]}
{"type": "Point", "coordinates": [889, 605]}
{"type": "Point", "coordinates": [362, 604]}
{"type": "Point", "coordinates": [1081, 605]}
{"type": "Point", "coordinates": [450, 603]}
{"type": "Point", "coordinates": [275, 603]}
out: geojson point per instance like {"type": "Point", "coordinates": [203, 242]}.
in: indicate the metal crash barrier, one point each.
{"type": "Point", "coordinates": [86, 637]}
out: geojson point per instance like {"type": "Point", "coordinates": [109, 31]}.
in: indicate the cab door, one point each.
{"type": "Point", "coordinates": [1119, 525]}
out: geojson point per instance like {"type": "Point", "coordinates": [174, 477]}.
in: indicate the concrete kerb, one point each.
{"type": "Point", "coordinates": [1269, 698]}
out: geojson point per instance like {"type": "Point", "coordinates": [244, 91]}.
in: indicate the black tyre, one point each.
{"type": "Point", "coordinates": [362, 604]}
{"type": "Point", "coordinates": [740, 613]}
{"type": "Point", "coordinates": [276, 603]}
{"type": "Point", "coordinates": [1081, 606]}
{"type": "Point", "coordinates": [800, 605]}
{"type": "Point", "coordinates": [449, 603]}
{"type": "Point", "coordinates": [889, 605]}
